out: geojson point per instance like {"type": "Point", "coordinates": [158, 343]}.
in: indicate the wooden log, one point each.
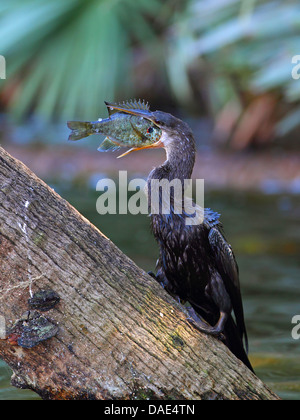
{"type": "Point", "coordinates": [120, 335]}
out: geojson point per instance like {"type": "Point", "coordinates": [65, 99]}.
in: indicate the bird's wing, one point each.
{"type": "Point", "coordinates": [228, 269]}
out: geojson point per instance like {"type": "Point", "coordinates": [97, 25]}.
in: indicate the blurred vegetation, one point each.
{"type": "Point", "coordinates": [64, 58]}
{"type": "Point", "coordinates": [229, 59]}
{"type": "Point", "coordinates": [237, 56]}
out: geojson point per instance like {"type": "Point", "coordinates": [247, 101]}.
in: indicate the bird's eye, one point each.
{"type": "Point", "coordinates": [150, 130]}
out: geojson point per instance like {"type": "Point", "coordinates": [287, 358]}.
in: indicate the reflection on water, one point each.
{"type": "Point", "coordinates": [264, 231]}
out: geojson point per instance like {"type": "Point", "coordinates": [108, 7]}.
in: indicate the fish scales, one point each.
{"type": "Point", "coordinates": [121, 129]}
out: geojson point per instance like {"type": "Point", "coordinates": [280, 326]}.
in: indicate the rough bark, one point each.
{"type": "Point", "coordinates": [120, 334]}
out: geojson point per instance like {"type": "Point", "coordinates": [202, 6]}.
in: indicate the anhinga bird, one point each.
{"type": "Point", "coordinates": [196, 264]}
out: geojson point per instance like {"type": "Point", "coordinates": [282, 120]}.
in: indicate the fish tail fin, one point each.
{"type": "Point", "coordinates": [80, 129]}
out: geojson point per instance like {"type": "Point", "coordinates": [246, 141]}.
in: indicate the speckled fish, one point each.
{"type": "Point", "coordinates": [126, 126]}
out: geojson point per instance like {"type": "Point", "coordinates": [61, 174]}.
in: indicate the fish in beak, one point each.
{"type": "Point", "coordinates": [139, 109]}
{"type": "Point", "coordinates": [130, 124]}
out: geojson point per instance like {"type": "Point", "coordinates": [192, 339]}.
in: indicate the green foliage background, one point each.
{"type": "Point", "coordinates": [65, 57]}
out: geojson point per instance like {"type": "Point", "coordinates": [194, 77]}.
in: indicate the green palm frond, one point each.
{"type": "Point", "coordinates": [245, 42]}
{"type": "Point", "coordinates": [67, 56]}
{"type": "Point", "coordinates": [64, 57]}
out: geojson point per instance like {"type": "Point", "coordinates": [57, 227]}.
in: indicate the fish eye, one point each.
{"type": "Point", "coordinates": [150, 130]}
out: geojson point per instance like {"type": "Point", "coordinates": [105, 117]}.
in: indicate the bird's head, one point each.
{"type": "Point", "coordinates": [175, 133]}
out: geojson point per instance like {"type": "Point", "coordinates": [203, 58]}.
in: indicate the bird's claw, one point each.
{"type": "Point", "coordinates": [198, 322]}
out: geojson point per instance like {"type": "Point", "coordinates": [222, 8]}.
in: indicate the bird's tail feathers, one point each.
{"type": "Point", "coordinates": [234, 342]}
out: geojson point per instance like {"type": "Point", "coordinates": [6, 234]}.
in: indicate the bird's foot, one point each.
{"type": "Point", "coordinates": [164, 284]}
{"type": "Point", "coordinates": [200, 324]}
{"type": "Point", "coordinates": [160, 279]}
{"type": "Point", "coordinates": [156, 278]}
{"type": "Point", "coordinates": [152, 274]}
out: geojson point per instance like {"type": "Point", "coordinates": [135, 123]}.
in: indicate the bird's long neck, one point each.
{"type": "Point", "coordinates": [180, 150]}
{"type": "Point", "coordinates": [175, 170]}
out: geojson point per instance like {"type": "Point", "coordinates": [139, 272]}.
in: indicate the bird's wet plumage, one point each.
{"type": "Point", "coordinates": [196, 264]}
{"type": "Point", "coordinates": [191, 263]}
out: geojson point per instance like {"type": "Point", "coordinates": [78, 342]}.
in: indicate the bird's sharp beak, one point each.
{"type": "Point", "coordinates": [140, 109]}
{"type": "Point", "coordinates": [156, 145]}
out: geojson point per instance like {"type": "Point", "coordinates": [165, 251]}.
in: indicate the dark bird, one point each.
{"type": "Point", "coordinates": [196, 264]}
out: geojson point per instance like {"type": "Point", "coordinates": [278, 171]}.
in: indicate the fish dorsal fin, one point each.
{"type": "Point", "coordinates": [131, 104]}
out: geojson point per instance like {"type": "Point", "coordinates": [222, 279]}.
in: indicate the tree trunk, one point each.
{"type": "Point", "coordinates": [118, 334]}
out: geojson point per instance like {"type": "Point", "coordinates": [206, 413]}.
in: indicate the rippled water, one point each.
{"type": "Point", "coordinates": [264, 231]}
